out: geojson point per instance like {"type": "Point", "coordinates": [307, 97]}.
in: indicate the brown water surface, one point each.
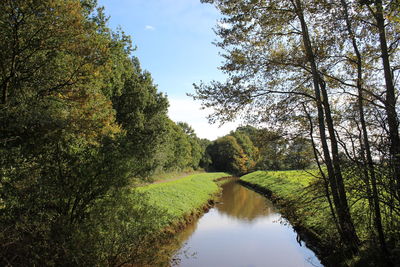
{"type": "Point", "coordinates": [243, 230]}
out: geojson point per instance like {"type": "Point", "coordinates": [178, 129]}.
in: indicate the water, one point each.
{"type": "Point", "coordinates": [243, 230]}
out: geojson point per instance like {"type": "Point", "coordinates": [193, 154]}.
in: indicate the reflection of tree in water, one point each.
{"type": "Point", "coordinates": [242, 203]}
{"type": "Point", "coordinates": [237, 202]}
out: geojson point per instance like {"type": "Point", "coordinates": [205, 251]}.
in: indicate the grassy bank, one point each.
{"type": "Point", "coordinates": [301, 198]}
{"type": "Point", "coordinates": [173, 175]}
{"type": "Point", "coordinates": [180, 199]}
{"type": "Point", "coordinates": [291, 190]}
{"type": "Point", "coordinates": [156, 212]}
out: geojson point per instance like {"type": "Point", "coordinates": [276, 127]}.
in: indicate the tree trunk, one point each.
{"type": "Point", "coordinates": [370, 163]}
{"type": "Point", "coordinates": [343, 210]}
{"type": "Point", "coordinates": [325, 180]}
{"type": "Point", "coordinates": [348, 233]}
{"type": "Point", "coordinates": [5, 92]}
{"type": "Point", "coordinates": [390, 103]}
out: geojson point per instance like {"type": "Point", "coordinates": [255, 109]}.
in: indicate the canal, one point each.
{"type": "Point", "coordinates": [243, 229]}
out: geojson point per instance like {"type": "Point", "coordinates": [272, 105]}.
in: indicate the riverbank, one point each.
{"type": "Point", "coordinates": [171, 176]}
{"type": "Point", "coordinates": [178, 203]}
{"type": "Point", "coordinates": [301, 205]}
{"type": "Point", "coordinates": [184, 198]}
{"type": "Point", "coordinates": [301, 198]}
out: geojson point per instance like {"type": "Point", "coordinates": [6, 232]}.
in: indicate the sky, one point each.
{"type": "Point", "coordinates": [174, 43]}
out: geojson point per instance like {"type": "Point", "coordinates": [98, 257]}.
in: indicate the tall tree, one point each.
{"type": "Point", "coordinates": [76, 115]}
{"type": "Point", "coordinates": [141, 111]}
{"type": "Point", "coordinates": [379, 10]}
{"type": "Point", "coordinates": [272, 64]}
{"type": "Point", "coordinates": [365, 143]}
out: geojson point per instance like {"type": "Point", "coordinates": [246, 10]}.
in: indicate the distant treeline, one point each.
{"type": "Point", "coordinates": [248, 149]}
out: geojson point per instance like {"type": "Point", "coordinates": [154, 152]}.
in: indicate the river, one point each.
{"type": "Point", "coordinates": [242, 230]}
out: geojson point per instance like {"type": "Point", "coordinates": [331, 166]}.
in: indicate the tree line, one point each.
{"type": "Point", "coordinates": [80, 124]}
{"type": "Point", "coordinates": [249, 149]}
{"type": "Point", "coordinates": [327, 71]}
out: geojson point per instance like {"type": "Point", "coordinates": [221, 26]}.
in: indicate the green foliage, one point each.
{"type": "Point", "coordinates": [248, 148]}
{"type": "Point", "coordinates": [273, 147]}
{"type": "Point", "coordinates": [79, 120]}
{"type": "Point", "coordinates": [205, 161]}
{"type": "Point", "coordinates": [177, 148]}
{"type": "Point", "coordinates": [141, 111]}
{"type": "Point", "coordinates": [180, 149]}
{"type": "Point", "coordinates": [299, 154]}
{"type": "Point", "coordinates": [227, 155]}
{"type": "Point", "coordinates": [251, 151]}
{"type": "Point", "coordinates": [196, 150]}
{"type": "Point", "coordinates": [233, 153]}
{"type": "Point", "coordinates": [122, 228]}
{"type": "Point", "coordinates": [60, 147]}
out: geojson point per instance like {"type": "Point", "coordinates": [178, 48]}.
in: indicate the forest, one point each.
{"type": "Point", "coordinates": [82, 124]}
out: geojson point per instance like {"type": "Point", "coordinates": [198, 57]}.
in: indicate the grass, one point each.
{"type": "Point", "coordinates": [300, 196]}
{"type": "Point", "coordinates": [295, 192]}
{"type": "Point", "coordinates": [173, 175]}
{"type": "Point", "coordinates": [300, 201]}
{"type": "Point", "coordinates": [283, 184]}
{"type": "Point", "coordinates": [180, 198]}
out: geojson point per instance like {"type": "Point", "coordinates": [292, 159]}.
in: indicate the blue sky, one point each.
{"type": "Point", "coordinates": [174, 43]}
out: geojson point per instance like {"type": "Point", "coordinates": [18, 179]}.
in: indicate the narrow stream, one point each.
{"type": "Point", "coordinates": [243, 230]}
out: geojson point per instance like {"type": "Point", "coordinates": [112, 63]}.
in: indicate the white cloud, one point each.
{"type": "Point", "coordinates": [187, 110]}
{"type": "Point", "coordinates": [149, 28]}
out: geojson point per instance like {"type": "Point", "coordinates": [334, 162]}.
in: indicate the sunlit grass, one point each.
{"type": "Point", "coordinates": [284, 184]}
{"type": "Point", "coordinates": [182, 197]}
{"type": "Point", "coordinates": [174, 175]}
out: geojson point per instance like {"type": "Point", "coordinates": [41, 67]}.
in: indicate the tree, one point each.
{"type": "Point", "coordinates": [366, 153]}
{"type": "Point", "coordinates": [272, 147]}
{"type": "Point", "coordinates": [274, 64]}
{"type": "Point", "coordinates": [142, 112]}
{"type": "Point", "coordinates": [227, 155]}
{"type": "Point", "coordinates": [249, 150]}
{"type": "Point", "coordinates": [76, 115]}
{"type": "Point", "coordinates": [299, 154]}
{"type": "Point", "coordinates": [205, 161]}
{"type": "Point", "coordinates": [196, 150]}
{"type": "Point", "coordinates": [378, 11]}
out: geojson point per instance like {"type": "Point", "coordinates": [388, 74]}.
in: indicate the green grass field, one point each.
{"type": "Point", "coordinates": [173, 175]}
{"type": "Point", "coordinates": [283, 184]}
{"type": "Point", "coordinates": [182, 197]}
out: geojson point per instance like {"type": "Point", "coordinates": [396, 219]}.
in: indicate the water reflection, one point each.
{"type": "Point", "coordinates": [237, 202]}
{"type": "Point", "coordinates": [242, 230]}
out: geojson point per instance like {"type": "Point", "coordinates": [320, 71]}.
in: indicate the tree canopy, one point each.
{"type": "Point", "coordinates": [80, 124]}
